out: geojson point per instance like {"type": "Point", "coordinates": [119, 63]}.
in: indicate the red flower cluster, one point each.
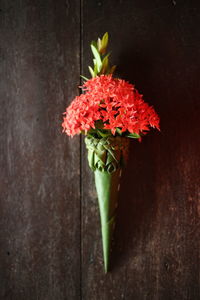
{"type": "Point", "coordinates": [114, 101]}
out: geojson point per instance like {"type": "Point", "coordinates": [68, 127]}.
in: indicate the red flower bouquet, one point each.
{"type": "Point", "coordinates": [113, 102]}
{"type": "Point", "coordinates": [109, 112]}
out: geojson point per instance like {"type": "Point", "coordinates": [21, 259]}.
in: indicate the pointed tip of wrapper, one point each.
{"type": "Point", "coordinates": [106, 246]}
{"type": "Point", "coordinates": [105, 269]}
{"type": "Point", "coordinates": [106, 263]}
{"type": "Point", "coordinates": [107, 234]}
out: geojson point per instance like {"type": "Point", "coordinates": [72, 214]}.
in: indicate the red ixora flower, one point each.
{"type": "Point", "coordinates": [115, 102]}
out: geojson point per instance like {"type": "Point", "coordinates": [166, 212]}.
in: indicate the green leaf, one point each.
{"type": "Point", "coordinates": [95, 70]}
{"type": "Point", "coordinates": [105, 40]}
{"type": "Point", "coordinates": [94, 43]}
{"type": "Point", "coordinates": [91, 71]}
{"type": "Point", "coordinates": [104, 133]}
{"type": "Point", "coordinates": [92, 132]}
{"type": "Point", "coordinates": [112, 70]}
{"type": "Point", "coordinates": [104, 43]}
{"type": "Point", "coordinates": [99, 44]}
{"type": "Point", "coordinates": [104, 65]}
{"type": "Point", "coordinates": [118, 131]}
{"type": "Point", "coordinates": [97, 57]}
{"type": "Point", "coordinates": [107, 55]}
{"type": "Point", "coordinates": [133, 135]}
{"type": "Point", "coordinates": [85, 78]}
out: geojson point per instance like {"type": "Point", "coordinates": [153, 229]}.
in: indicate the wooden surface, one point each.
{"type": "Point", "coordinates": [50, 241]}
{"type": "Point", "coordinates": [40, 168]}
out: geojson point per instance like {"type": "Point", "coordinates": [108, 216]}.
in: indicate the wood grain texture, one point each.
{"type": "Point", "coordinates": [40, 173]}
{"type": "Point", "coordinates": [156, 253]}
{"type": "Point", "coordinates": [50, 239]}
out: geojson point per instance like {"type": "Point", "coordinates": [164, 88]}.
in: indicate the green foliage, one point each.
{"type": "Point", "coordinates": [99, 132]}
{"type": "Point", "coordinates": [102, 44]}
{"type": "Point", "coordinates": [133, 135]}
{"type": "Point", "coordinates": [91, 71]}
{"type": "Point", "coordinates": [97, 57]}
{"type": "Point", "coordinates": [84, 78]}
{"type": "Point", "coordinates": [101, 58]}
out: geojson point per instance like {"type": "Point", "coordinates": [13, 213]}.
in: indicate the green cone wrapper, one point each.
{"type": "Point", "coordinates": [106, 157]}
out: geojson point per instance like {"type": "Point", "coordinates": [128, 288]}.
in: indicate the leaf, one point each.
{"type": "Point", "coordinates": [133, 135]}
{"type": "Point", "coordinates": [94, 43]}
{"type": "Point", "coordinates": [104, 43]}
{"type": "Point", "coordinates": [105, 39]}
{"type": "Point", "coordinates": [85, 78]}
{"type": "Point", "coordinates": [92, 132]}
{"type": "Point", "coordinates": [104, 133]}
{"type": "Point", "coordinates": [107, 55]}
{"type": "Point", "coordinates": [91, 71]}
{"type": "Point", "coordinates": [95, 70]}
{"type": "Point", "coordinates": [112, 70]}
{"type": "Point", "coordinates": [97, 57]}
{"type": "Point", "coordinates": [99, 44]}
{"type": "Point", "coordinates": [104, 65]}
{"type": "Point", "coordinates": [118, 131]}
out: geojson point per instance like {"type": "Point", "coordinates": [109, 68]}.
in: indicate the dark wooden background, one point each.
{"type": "Point", "coordinates": [50, 241]}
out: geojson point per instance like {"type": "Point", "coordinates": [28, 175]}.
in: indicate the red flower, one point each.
{"type": "Point", "coordinates": [114, 101]}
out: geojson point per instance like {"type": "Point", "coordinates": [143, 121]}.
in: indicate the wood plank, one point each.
{"type": "Point", "coordinates": [40, 176]}
{"type": "Point", "coordinates": [156, 253]}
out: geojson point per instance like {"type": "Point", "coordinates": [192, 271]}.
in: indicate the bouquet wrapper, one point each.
{"type": "Point", "coordinates": [106, 157]}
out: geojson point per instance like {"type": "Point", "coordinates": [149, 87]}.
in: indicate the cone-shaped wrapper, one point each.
{"type": "Point", "coordinates": [107, 190]}
{"type": "Point", "coordinates": [106, 157]}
